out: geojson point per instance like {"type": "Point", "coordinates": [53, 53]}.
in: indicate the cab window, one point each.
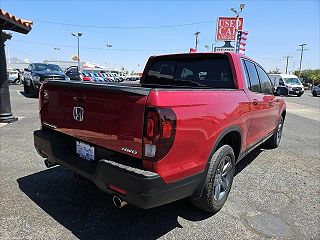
{"type": "Point", "coordinates": [265, 83]}
{"type": "Point", "coordinates": [281, 82]}
{"type": "Point", "coordinates": [253, 77]}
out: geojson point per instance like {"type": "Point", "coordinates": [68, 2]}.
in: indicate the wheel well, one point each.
{"type": "Point", "coordinates": [283, 114]}
{"type": "Point", "coordinates": [233, 139]}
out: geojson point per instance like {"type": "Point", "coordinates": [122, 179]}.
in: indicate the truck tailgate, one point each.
{"type": "Point", "coordinates": [110, 116]}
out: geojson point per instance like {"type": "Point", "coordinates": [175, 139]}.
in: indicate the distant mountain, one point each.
{"type": "Point", "coordinates": [17, 60]}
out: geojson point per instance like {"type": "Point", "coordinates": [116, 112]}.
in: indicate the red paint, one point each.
{"type": "Point", "coordinates": [117, 119]}
{"type": "Point", "coordinates": [226, 28]}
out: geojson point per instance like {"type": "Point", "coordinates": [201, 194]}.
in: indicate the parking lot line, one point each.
{"type": "Point", "coordinates": [3, 124]}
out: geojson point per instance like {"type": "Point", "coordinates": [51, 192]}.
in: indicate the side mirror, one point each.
{"type": "Point", "coordinates": [281, 91]}
{"type": "Point", "coordinates": [26, 70]}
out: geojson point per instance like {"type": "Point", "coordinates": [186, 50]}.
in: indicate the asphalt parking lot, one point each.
{"type": "Point", "coordinates": [276, 193]}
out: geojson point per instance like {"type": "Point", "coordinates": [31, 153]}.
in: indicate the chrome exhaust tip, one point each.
{"type": "Point", "coordinates": [118, 202]}
{"type": "Point", "coordinates": [49, 164]}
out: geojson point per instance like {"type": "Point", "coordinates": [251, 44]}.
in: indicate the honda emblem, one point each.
{"type": "Point", "coordinates": [78, 113]}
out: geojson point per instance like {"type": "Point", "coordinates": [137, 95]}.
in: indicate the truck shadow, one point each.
{"type": "Point", "coordinates": [89, 213]}
{"type": "Point", "coordinates": [27, 95]}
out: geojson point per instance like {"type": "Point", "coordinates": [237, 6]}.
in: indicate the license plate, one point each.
{"type": "Point", "coordinates": [85, 151]}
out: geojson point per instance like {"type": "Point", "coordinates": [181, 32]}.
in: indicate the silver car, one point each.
{"type": "Point", "coordinates": [316, 90]}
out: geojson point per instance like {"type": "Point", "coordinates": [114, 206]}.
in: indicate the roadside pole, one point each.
{"type": "Point", "coordinates": [197, 40]}
{"type": "Point", "coordinates": [237, 23]}
{"type": "Point", "coordinates": [5, 105]}
{"type": "Point", "coordinates": [302, 49]}
{"type": "Point", "coordinates": [287, 57]}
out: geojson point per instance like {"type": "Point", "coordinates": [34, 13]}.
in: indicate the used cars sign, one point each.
{"type": "Point", "coordinates": [226, 28]}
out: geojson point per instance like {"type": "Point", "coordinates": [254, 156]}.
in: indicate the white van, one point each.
{"type": "Point", "coordinates": [291, 82]}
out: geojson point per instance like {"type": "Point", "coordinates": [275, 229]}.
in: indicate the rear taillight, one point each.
{"type": "Point", "coordinates": [159, 133]}
{"type": "Point", "coordinates": [43, 98]}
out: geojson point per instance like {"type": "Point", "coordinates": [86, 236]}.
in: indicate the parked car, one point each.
{"type": "Point", "coordinates": [179, 134]}
{"type": "Point", "coordinates": [13, 76]}
{"type": "Point", "coordinates": [316, 91]}
{"type": "Point", "coordinates": [37, 73]}
{"type": "Point", "coordinates": [73, 73]}
{"type": "Point", "coordinates": [85, 77]}
{"type": "Point", "coordinates": [107, 77]}
{"type": "Point", "coordinates": [291, 82]}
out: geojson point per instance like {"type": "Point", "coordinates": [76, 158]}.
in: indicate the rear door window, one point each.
{"type": "Point", "coordinates": [214, 72]}
{"type": "Point", "coordinates": [266, 86]}
{"type": "Point", "coordinates": [253, 77]}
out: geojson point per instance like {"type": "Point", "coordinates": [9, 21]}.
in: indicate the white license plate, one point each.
{"type": "Point", "coordinates": [85, 151]}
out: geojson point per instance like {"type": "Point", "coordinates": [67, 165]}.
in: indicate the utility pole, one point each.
{"type": "Point", "coordinates": [197, 40]}
{"type": "Point", "coordinates": [302, 49]}
{"type": "Point", "coordinates": [287, 57]}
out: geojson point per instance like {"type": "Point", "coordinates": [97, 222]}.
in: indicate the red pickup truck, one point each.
{"type": "Point", "coordinates": [176, 134]}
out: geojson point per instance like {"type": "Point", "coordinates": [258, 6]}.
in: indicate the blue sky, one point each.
{"type": "Point", "coordinates": [276, 28]}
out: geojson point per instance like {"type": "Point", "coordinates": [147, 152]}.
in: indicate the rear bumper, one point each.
{"type": "Point", "coordinates": [143, 189]}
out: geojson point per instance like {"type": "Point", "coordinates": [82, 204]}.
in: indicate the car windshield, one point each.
{"type": "Point", "coordinates": [292, 81]}
{"type": "Point", "coordinates": [47, 67]}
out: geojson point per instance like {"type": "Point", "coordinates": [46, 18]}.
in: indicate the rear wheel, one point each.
{"type": "Point", "coordinates": [218, 181]}
{"type": "Point", "coordinates": [274, 140]}
{"type": "Point", "coordinates": [33, 91]}
{"type": "Point", "coordinates": [26, 88]}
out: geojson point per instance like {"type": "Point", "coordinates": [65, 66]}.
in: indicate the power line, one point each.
{"type": "Point", "coordinates": [106, 49]}
{"type": "Point", "coordinates": [125, 27]}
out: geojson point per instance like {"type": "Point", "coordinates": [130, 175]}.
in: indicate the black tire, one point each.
{"type": "Point", "coordinates": [219, 177]}
{"type": "Point", "coordinates": [26, 88]}
{"type": "Point", "coordinates": [299, 95]}
{"type": "Point", "coordinates": [33, 92]}
{"type": "Point", "coordinates": [314, 93]}
{"type": "Point", "coordinates": [274, 140]}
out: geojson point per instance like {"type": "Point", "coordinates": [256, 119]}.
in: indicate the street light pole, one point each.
{"type": "Point", "coordinates": [237, 20]}
{"type": "Point", "coordinates": [78, 35]}
{"type": "Point", "coordinates": [58, 49]}
{"type": "Point", "coordinates": [197, 40]}
{"type": "Point", "coordinates": [302, 49]}
{"type": "Point", "coordinates": [78, 54]}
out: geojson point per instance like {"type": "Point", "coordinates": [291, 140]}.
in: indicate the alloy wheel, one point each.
{"type": "Point", "coordinates": [222, 178]}
{"type": "Point", "coordinates": [279, 131]}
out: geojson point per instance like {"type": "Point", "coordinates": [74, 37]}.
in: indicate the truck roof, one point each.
{"type": "Point", "coordinates": [283, 75]}
{"type": "Point", "coordinates": [202, 53]}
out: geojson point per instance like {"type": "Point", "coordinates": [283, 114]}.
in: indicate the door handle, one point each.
{"type": "Point", "coordinates": [255, 102]}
